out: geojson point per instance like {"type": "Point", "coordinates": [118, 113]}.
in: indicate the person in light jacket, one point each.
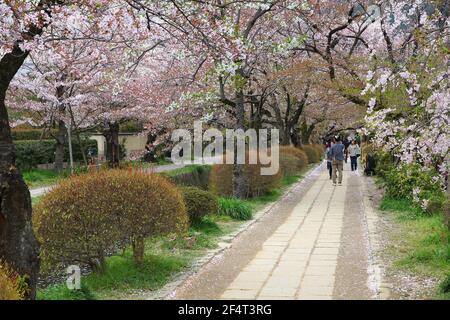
{"type": "Point", "coordinates": [354, 151]}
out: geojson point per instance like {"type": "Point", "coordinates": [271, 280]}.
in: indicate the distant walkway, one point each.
{"type": "Point", "coordinates": [312, 245]}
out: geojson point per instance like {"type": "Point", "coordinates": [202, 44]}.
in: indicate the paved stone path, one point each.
{"type": "Point", "coordinates": [299, 260]}
{"type": "Point", "coordinates": [313, 245]}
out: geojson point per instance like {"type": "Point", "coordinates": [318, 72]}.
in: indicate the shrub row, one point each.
{"type": "Point", "coordinates": [221, 180]}
{"type": "Point", "coordinates": [30, 134]}
{"type": "Point", "coordinates": [31, 153]}
{"type": "Point", "coordinates": [87, 217]}
{"type": "Point", "coordinates": [292, 160]}
{"type": "Point", "coordinates": [314, 152]}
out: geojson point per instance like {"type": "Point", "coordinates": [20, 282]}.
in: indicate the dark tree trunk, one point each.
{"type": "Point", "coordinates": [82, 148]}
{"type": "Point", "coordinates": [307, 132]}
{"type": "Point", "coordinates": [296, 138]}
{"type": "Point", "coordinates": [60, 144]}
{"type": "Point", "coordinates": [285, 136]}
{"type": "Point", "coordinates": [238, 169]}
{"type": "Point", "coordinates": [112, 145]}
{"type": "Point", "coordinates": [18, 245]}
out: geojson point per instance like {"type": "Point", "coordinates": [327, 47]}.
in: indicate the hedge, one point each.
{"type": "Point", "coordinates": [312, 153]}
{"type": "Point", "coordinates": [30, 153]}
{"type": "Point", "coordinates": [30, 134]}
{"type": "Point", "coordinates": [221, 180]}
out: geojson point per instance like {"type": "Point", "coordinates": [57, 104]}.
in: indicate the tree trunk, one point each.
{"type": "Point", "coordinates": [238, 169]}
{"type": "Point", "coordinates": [112, 145]}
{"type": "Point", "coordinates": [296, 138]}
{"type": "Point", "coordinates": [18, 245]}
{"type": "Point", "coordinates": [285, 137]}
{"type": "Point", "coordinates": [82, 148]}
{"type": "Point", "coordinates": [60, 144]}
{"type": "Point", "coordinates": [138, 245]}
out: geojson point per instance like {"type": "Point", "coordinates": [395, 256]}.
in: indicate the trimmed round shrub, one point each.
{"type": "Point", "coordinates": [320, 149]}
{"type": "Point", "coordinates": [221, 180]}
{"type": "Point", "coordinates": [299, 154]}
{"type": "Point", "coordinates": [199, 203]}
{"type": "Point", "coordinates": [10, 284]}
{"type": "Point", "coordinates": [312, 153]}
{"type": "Point", "coordinates": [87, 217]}
{"type": "Point", "coordinates": [290, 165]}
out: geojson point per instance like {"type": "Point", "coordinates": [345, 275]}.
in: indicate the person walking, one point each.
{"type": "Point", "coordinates": [337, 158]}
{"type": "Point", "coordinates": [354, 151]}
{"type": "Point", "coordinates": [329, 159]}
{"type": "Point", "coordinates": [346, 143]}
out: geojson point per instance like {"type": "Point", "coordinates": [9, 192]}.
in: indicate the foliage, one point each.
{"type": "Point", "coordinates": [290, 165]}
{"type": "Point", "coordinates": [235, 208]}
{"type": "Point", "coordinates": [199, 203]}
{"type": "Point", "coordinates": [445, 285]}
{"type": "Point", "coordinates": [320, 149]}
{"type": "Point", "coordinates": [300, 154]}
{"type": "Point", "coordinates": [11, 287]}
{"type": "Point", "coordinates": [120, 275]}
{"type": "Point", "coordinates": [30, 153]}
{"type": "Point", "coordinates": [421, 243]}
{"type": "Point", "coordinates": [313, 154]}
{"type": "Point", "coordinates": [92, 215]}
{"type": "Point", "coordinates": [40, 177]}
{"type": "Point", "coordinates": [28, 134]}
{"type": "Point", "coordinates": [191, 175]}
{"type": "Point", "coordinates": [421, 185]}
{"type": "Point", "coordinates": [221, 180]}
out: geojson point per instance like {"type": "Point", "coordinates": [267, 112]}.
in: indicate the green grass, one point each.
{"type": "Point", "coordinates": [422, 243]}
{"type": "Point", "coordinates": [235, 208]}
{"type": "Point", "coordinates": [164, 256]}
{"type": "Point", "coordinates": [36, 178]}
{"type": "Point", "coordinates": [35, 200]}
{"type": "Point", "coordinates": [186, 169]}
{"type": "Point", "coordinates": [163, 161]}
{"type": "Point", "coordinates": [121, 275]}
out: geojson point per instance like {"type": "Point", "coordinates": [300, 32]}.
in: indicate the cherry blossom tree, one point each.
{"type": "Point", "coordinates": [408, 111]}
{"type": "Point", "coordinates": [234, 37]}
{"type": "Point", "coordinates": [25, 27]}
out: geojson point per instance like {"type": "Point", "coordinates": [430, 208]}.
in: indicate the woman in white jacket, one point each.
{"type": "Point", "coordinates": [354, 151]}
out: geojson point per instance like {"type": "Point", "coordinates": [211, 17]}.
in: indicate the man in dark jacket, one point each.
{"type": "Point", "coordinates": [337, 156]}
